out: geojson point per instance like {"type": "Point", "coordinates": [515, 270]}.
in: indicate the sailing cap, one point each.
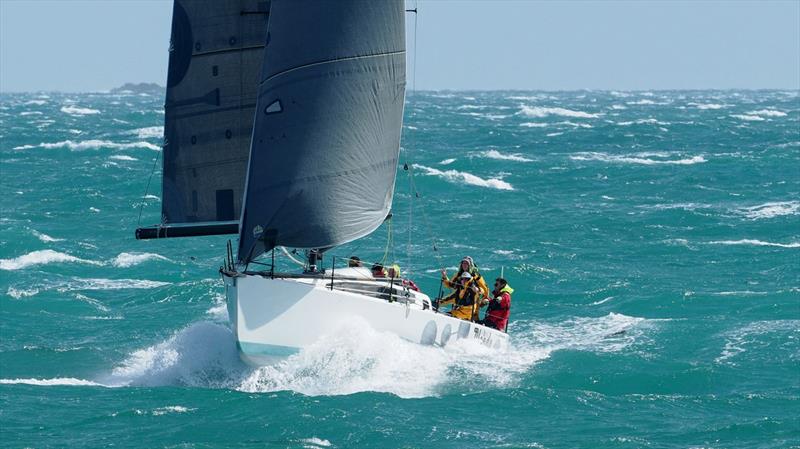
{"type": "Point", "coordinates": [466, 275]}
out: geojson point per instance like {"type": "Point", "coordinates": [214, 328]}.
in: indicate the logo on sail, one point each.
{"type": "Point", "coordinates": [257, 231]}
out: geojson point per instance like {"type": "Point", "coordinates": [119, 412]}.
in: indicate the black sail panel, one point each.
{"type": "Point", "coordinates": [216, 54]}
{"type": "Point", "coordinates": [326, 138]}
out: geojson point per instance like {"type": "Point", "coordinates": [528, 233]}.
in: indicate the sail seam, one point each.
{"type": "Point", "coordinates": [227, 50]}
{"type": "Point", "coordinates": [330, 61]}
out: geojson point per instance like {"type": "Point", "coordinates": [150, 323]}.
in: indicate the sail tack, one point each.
{"type": "Point", "coordinates": [327, 126]}
{"type": "Point", "coordinates": [216, 53]}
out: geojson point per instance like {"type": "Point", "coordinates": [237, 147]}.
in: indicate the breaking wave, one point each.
{"type": "Point", "coordinates": [125, 260]}
{"type": "Point", "coordinates": [44, 237]}
{"type": "Point", "coordinates": [75, 110]}
{"type": "Point", "coordinates": [538, 112]}
{"type": "Point", "coordinates": [748, 118]}
{"type": "Point", "coordinates": [768, 113]}
{"type": "Point", "coordinates": [92, 145]}
{"type": "Point", "coordinates": [122, 157]}
{"type": "Point", "coordinates": [638, 158]}
{"type": "Point", "coordinates": [466, 178]}
{"type": "Point", "coordinates": [770, 210]}
{"type": "Point", "coordinates": [753, 242]}
{"type": "Point", "coordinates": [494, 154]}
{"type": "Point", "coordinates": [712, 106]}
{"type": "Point", "coordinates": [150, 132]}
{"type": "Point", "coordinates": [58, 381]}
{"type": "Point", "coordinates": [41, 257]}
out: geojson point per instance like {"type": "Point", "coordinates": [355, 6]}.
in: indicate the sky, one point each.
{"type": "Point", "coordinates": [79, 46]}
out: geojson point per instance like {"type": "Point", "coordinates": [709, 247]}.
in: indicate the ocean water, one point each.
{"type": "Point", "coordinates": [653, 239]}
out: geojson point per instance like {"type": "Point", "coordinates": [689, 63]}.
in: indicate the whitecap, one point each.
{"type": "Point", "coordinates": [534, 125]}
{"type": "Point", "coordinates": [35, 102]}
{"type": "Point", "coordinates": [711, 106]}
{"type": "Point", "coordinates": [643, 101]}
{"type": "Point", "coordinates": [538, 112]}
{"type": "Point", "coordinates": [466, 178]}
{"type": "Point", "coordinates": [58, 381]}
{"type": "Point", "coordinates": [494, 154]}
{"type": "Point", "coordinates": [27, 113]}
{"type": "Point", "coordinates": [754, 242]}
{"type": "Point", "coordinates": [21, 293]}
{"type": "Point", "coordinates": [44, 237]}
{"type": "Point", "coordinates": [770, 210]}
{"type": "Point", "coordinates": [171, 409]}
{"type": "Point", "coordinates": [634, 159]}
{"type": "Point", "coordinates": [150, 132]}
{"type": "Point", "coordinates": [748, 118]}
{"type": "Point", "coordinates": [41, 257]}
{"type": "Point", "coordinates": [768, 113]}
{"type": "Point", "coordinates": [125, 260]}
{"type": "Point", "coordinates": [122, 157]}
{"type": "Point", "coordinates": [93, 145]}
{"type": "Point", "coordinates": [315, 442]}
{"type": "Point", "coordinates": [74, 110]}
{"type": "Point", "coordinates": [109, 284]}
{"type": "Point", "coordinates": [447, 162]}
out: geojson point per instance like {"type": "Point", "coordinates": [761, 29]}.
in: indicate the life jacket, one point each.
{"type": "Point", "coordinates": [465, 294]}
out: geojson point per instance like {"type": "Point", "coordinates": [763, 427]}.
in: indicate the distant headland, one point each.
{"type": "Point", "coordinates": [139, 88]}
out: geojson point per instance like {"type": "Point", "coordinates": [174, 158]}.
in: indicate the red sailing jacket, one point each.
{"type": "Point", "coordinates": [498, 311]}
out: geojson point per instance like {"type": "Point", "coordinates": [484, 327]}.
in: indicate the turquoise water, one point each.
{"type": "Point", "coordinates": [671, 216]}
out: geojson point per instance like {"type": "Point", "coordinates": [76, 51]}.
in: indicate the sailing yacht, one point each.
{"type": "Point", "coordinates": [282, 124]}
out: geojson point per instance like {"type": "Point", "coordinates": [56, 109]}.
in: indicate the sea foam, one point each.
{"type": "Point", "coordinates": [540, 111]}
{"type": "Point", "coordinates": [494, 154]}
{"type": "Point", "coordinates": [459, 177]}
{"type": "Point", "coordinates": [770, 210]}
{"type": "Point", "coordinates": [92, 145]}
{"type": "Point", "coordinates": [125, 260]}
{"type": "Point", "coordinates": [634, 159]}
{"type": "Point", "coordinates": [75, 110]}
{"type": "Point", "coordinates": [754, 242]}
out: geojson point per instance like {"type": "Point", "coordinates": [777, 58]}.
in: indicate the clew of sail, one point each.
{"type": "Point", "coordinates": [216, 52]}
{"type": "Point", "coordinates": [326, 136]}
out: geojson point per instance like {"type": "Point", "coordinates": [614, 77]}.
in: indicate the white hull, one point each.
{"type": "Point", "coordinates": [273, 318]}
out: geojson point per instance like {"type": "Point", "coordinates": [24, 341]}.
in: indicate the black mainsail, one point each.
{"type": "Point", "coordinates": [216, 53]}
{"type": "Point", "coordinates": [326, 137]}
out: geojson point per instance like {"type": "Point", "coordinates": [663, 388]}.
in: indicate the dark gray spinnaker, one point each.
{"type": "Point", "coordinates": [216, 54]}
{"type": "Point", "coordinates": [326, 137]}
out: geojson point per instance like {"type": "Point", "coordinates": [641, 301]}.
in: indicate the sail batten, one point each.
{"type": "Point", "coordinates": [326, 136]}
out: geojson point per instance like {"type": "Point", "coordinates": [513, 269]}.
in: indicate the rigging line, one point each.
{"type": "Point", "coordinates": [413, 147]}
{"type": "Point", "coordinates": [147, 189]}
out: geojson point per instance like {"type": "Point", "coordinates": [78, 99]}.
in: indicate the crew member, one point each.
{"type": "Point", "coordinates": [499, 306]}
{"type": "Point", "coordinates": [465, 298]}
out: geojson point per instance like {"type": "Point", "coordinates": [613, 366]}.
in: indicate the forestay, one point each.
{"type": "Point", "coordinates": [327, 129]}
{"type": "Point", "coordinates": [216, 52]}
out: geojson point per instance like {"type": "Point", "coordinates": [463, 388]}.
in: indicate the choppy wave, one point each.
{"type": "Point", "coordinates": [150, 132]}
{"type": "Point", "coordinates": [125, 260]}
{"type": "Point", "coordinates": [447, 161]}
{"type": "Point", "coordinates": [58, 381]}
{"type": "Point", "coordinates": [540, 111]}
{"type": "Point", "coordinates": [494, 154]}
{"type": "Point", "coordinates": [738, 341]}
{"type": "Point", "coordinates": [122, 157]}
{"type": "Point", "coordinates": [748, 118]}
{"type": "Point", "coordinates": [91, 145]}
{"type": "Point", "coordinates": [109, 284]}
{"type": "Point", "coordinates": [44, 237]}
{"type": "Point", "coordinates": [753, 242]}
{"type": "Point", "coordinates": [771, 210]}
{"type": "Point", "coordinates": [637, 158]}
{"type": "Point", "coordinates": [21, 293]}
{"type": "Point", "coordinates": [768, 113]}
{"type": "Point", "coordinates": [466, 178]}
{"type": "Point", "coordinates": [41, 257]}
{"type": "Point", "coordinates": [712, 106]}
{"type": "Point", "coordinates": [75, 110]}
